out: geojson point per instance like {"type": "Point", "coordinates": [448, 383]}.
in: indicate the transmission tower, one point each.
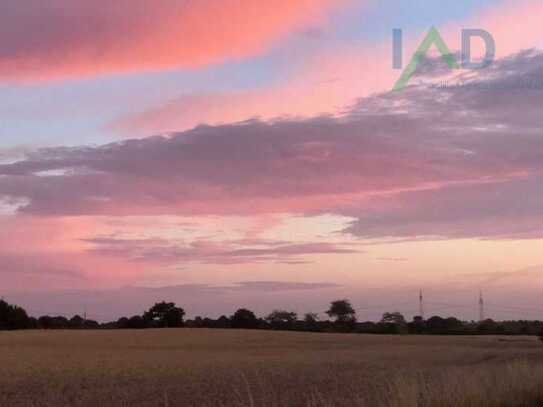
{"type": "Point", "coordinates": [481, 306]}
{"type": "Point", "coordinates": [421, 305]}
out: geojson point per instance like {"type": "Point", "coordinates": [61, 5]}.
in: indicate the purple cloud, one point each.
{"type": "Point", "coordinates": [426, 162]}
{"type": "Point", "coordinates": [207, 252]}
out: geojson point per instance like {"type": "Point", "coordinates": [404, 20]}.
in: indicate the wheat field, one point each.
{"type": "Point", "coordinates": [199, 367]}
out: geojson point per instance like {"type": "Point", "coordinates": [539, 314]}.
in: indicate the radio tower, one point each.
{"type": "Point", "coordinates": [481, 306]}
{"type": "Point", "coordinates": [421, 305]}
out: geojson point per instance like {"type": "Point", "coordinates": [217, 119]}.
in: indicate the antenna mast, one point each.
{"type": "Point", "coordinates": [481, 306]}
{"type": "Point", "coordinates": [421, 305]}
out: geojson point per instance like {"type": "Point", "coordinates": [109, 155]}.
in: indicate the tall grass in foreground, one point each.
{"type": "Point", "coordinates": [514, 384]}
{"type": "Point", "coordinates": [510, 385]}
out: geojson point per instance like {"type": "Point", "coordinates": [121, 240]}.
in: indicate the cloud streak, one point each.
{"type": "Point", "coordinates": [165, 252]}
{"type": "Point", "coordinates": [66, 38]}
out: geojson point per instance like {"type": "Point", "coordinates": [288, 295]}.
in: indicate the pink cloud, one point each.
{"type": "Point", "coordinates": [253, 168]}
{"type": "Point", "coordinates": [41, 253]}
{"type": "Point", "coordinates": [325, 83]}
{"type": "Point", "coordinates": [44, 252]}
{"type": "Point", "coordinates": [62, 38]}
{"type": "Point", "coordinates": [416, 164]}
{"type": "Point", "coordinates": [379, 158]}
{"type": "Point", "coordinates": [331, 79]}
{"type": "Point", "coordinates": [515, 26]}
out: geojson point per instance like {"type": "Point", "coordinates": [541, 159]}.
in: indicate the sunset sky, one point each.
{"type": "Point", "coordinates": [251, 153]}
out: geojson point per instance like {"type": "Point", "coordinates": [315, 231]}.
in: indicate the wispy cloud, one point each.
{"type": "Point", "coordinates": [224, 252]}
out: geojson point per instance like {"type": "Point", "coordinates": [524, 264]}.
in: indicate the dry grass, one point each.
{"type": "Point", "coordinates": [183, 367]}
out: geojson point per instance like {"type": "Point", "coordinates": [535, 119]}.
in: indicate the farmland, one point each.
{"type": "Point", "coordinates": [201, 367]}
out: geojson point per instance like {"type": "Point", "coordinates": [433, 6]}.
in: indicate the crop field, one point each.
{"type": "Point", "coordinates": [199, 367]}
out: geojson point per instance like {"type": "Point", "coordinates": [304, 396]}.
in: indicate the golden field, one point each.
{"type": "Point", "coordinates": [199, 367]}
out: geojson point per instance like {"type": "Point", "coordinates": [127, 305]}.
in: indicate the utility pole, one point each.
{"type": "Point", "coordinates": [421, 305]}
{"type": "Point", "coordinates": [481, 307]}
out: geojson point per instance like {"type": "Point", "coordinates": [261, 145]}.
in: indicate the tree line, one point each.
{"type": "Point", "coordinates": [341, 318]}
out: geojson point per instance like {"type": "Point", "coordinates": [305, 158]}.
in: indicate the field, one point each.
{"type": "Point", "coordinates": [184, 367]}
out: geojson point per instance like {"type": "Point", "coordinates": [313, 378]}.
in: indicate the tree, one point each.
{"type": "Point", "coordinates": [244, 319]}
{"type": "Point", "coordinates": [453, 323]}
{"type": "Point", "coordinates": [77, 322]}
{"type": "Point", "coordinates": [438, 324]}
{"type": "Point", "coordinates": [91, 324]}
{"type": "Point", "coordinates": [342, 311]}
{"type": "Point", "coordinates": [394, 322]}
{"type": "Point", "coordinates": [209, 323]}
{"type": "Point", "coordinates": [13, 317]}
{"type": "Point", "coordinates": [122, 323]}
{"type": "Point", "coordinates": [280, 319]}
{"type": "Point", "coordinates": [165, 315]}
{"type": "Point", "coordinates": [224, 322]}
{"type": "Point", "coordinates": [488, 325]}
{"type": "Point", "coordinates": [136, 322]}
{"type": "Point", "coordinates": [344, 315]}
{"type": "Point", "coordinates": [393, 318]}
{"type": "Point", "coordinates": [417, 319]}
{"type": "Point", "coordinates": [311, 321]}
{"type": "Point", "coordinates": [47, 322]}
{"type": "Point", "coordinates": [418, 325]}
{"type": "Point", "coordinates": [311, 318]}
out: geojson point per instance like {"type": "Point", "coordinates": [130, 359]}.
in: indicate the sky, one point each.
{"type": "Point", "coordinates": [253, 154]}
